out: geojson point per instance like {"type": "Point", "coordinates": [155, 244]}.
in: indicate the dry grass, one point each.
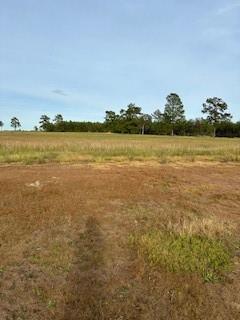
{"type": "Point", "coordinates": [211, 227]}
{"type": "Point", "coordinates": [64, 241]}
{"type": "Point", "coordinates": [43, 147]}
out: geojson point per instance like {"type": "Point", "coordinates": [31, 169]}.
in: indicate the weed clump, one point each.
{"type": "Point", "coordinates": [184, 253]}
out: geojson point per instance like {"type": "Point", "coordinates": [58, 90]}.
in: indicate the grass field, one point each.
{"type": "Point", "coordinates": [41, 147]}
{"type": "Point", "coordinates": [158, 240]}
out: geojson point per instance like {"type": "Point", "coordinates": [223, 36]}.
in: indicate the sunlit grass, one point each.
{"type": "Point", "coordinates": [183, 242]}
{"type": "Point", "coordinates": [43, 147]}
{"type": "Point", "coordinates": [184, 253]}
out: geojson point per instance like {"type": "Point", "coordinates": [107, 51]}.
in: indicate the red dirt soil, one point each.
{"type": "Point", "coordinates": [64, 233]}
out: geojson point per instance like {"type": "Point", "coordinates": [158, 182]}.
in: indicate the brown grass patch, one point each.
{"type": "Point", "coordinates": [64, 246]}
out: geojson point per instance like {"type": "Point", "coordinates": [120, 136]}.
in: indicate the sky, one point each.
{"type": "Point", "coordinates": [81, 58]}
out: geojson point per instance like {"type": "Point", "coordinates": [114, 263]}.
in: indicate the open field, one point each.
{"type": "Point", "coordinates": [43, 147]}
{"type": "Point", "coordinates": [119, 242]}
{"type": "Point", "coordinates": [104, 226]}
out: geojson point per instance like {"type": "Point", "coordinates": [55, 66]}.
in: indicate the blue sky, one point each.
{"type": "Point", "coordinates": [80, 58]}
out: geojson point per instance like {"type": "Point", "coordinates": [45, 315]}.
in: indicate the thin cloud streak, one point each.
{"type": "Point", "coordinates": [59, 92]}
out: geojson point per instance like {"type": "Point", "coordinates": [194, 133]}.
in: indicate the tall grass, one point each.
{"type": "Point", "coordinates": [76, 147]}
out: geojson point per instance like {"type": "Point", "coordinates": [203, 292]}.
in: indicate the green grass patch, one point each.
{"type": "Point", "coordinates": [209, 258]}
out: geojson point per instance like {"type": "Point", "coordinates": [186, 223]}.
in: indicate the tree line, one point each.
{"type": "Point", "coordinates": [172, 120]}
{"type": "Point", "coordinates": [132, 120]}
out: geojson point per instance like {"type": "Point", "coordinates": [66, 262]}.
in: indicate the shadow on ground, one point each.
{"type": "Point", "coordinates": [85, 297]}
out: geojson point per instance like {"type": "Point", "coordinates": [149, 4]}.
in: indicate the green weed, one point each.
{"type": "Point", "coordinates": [184, 253]}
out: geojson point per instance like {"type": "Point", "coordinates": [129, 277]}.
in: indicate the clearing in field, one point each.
{"type": "Point", "coordinates": [109, 240]}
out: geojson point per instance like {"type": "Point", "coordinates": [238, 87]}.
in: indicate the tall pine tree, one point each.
{"type": "Point", "coordinates": [174, 111]}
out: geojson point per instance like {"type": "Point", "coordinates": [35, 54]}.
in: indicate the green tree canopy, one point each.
{"type": "Point", "coordinates": [44, 122]}
{"type": "Point", "coordinates": [174, 110]}
{"type": "Point", "coordinates": [216, 110]}
{"type": "Point", "coordinates": [111, 120]}
{"type": "Point", "coordinates": [15, 123]}
{"type": "Point", "coordinates": [157, 115]}
{"type": "Point", "coordinates": [130, 118]}
{"type": "Point", "coordinates": [145, 121]}
{"type": "Point", "coordinates": [132, 112]}
{"type": "Point", "coordinates": [58, 119]}
{"type": "Point", "coordinates": [111, 116]}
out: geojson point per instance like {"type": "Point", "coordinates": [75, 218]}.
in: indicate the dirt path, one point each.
{"type": "Point", "coordinates": [64, 242]}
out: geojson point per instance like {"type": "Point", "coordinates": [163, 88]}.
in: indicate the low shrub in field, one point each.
{"type": "Point", "coordinates": [204, 256]}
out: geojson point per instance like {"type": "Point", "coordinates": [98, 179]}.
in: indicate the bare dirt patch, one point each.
{"type": "Point", "coordinates": [64, 241]}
